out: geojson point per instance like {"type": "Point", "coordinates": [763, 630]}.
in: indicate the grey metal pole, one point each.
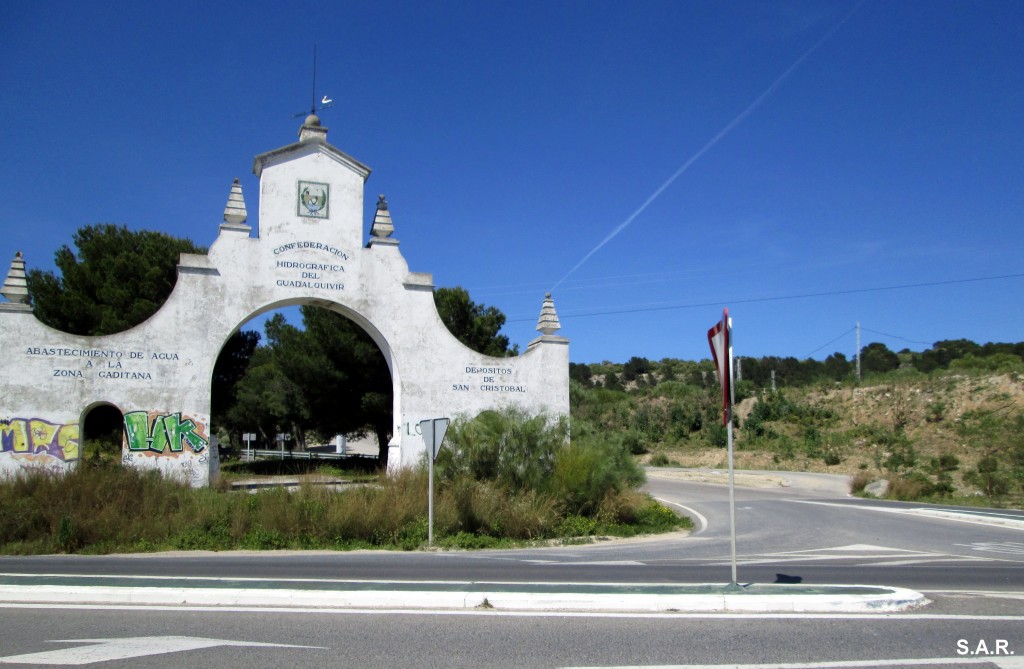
{"type": "Point", "coordinates": [858, 352]}
{"type": "Point", "coordinates": [732, 501]}
{"type": "Point", "coordinates": [732, 471]}
{"type": "Point", "coordinates": [430, 495]}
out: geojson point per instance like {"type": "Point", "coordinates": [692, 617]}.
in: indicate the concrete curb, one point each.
{"type": "Point", "coordinates": [511, 597]}
{"type": "Point", "coordinates": [968, 517]}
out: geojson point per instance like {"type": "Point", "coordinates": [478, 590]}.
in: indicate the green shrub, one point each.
{"type": "Point", "coordinates": [910, 488]}
{"type": "Point", "coordinates": [988, 476]}
{"type": "Point", "coordinates": [946, 462]}
{"type": "Point", "coordinates": [66, 539]}
{"type": "Point", "coordinates": [576, 526]}
{"type": "Point", "coordinates": [998, 362]}
{"type": "Point", "coordinates": [935, 412]}
{"type": "Point", "coordinates": [677, 390]}
{"type": "Point", "coordinates": [590, 468]}
{"type": "Point", "coordinates": [650, 420]}
{"type": "Point", "coordinates": [656, 517]}
{"type": "Point", "coordinates": [900, 458]}
{"type": "Point", "coordinates": [659, 460]}
{"type": "Point", "coordinates": [509, 447]}
{"type": "Point", "coordinates": [832, 455]}
{"type": "Point", "coordinates": [262, 539]}
{"type": "Point", "coordinates": [785, 448]}
{"type": "Point", "coordinates": [516, 452]}
{"type": "Point", "coordinates": [413, 534]}
{"type": "Point", "coordinates": [467, 541]}
{"type": "Point", "coordinates": [717, 434]}
{"type": "Point", "coordinates": [634, 441]}
{"type": "Point", "coordinates": [685, 418]}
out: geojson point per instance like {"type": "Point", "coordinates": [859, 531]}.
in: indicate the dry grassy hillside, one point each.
{"type": "Point", "coordinates": [944, 435]}
{"type": "Point", "coordinates": [939, 415]}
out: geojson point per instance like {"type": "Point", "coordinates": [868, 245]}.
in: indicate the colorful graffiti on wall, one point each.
{"type": "Point", "coordinates": [155, 432]}
{"type": "Point", "coordinates": [34, 436]}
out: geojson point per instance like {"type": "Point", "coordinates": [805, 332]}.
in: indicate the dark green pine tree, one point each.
{"type": "Point", "coordinates": [115, 279]}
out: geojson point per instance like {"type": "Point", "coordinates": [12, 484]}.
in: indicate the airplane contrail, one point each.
{"type": "Point", "coordinates": [714, 140]}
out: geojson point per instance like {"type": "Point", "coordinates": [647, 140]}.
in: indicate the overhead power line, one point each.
{"type": "Point", "coordinates": [778, 298]}
{"type": "Point", "coordinates": [909, 341]}
{"type": "Point", "coordinates": [830, 342]}
{"type": "Point", "coordinates": [884, 334]}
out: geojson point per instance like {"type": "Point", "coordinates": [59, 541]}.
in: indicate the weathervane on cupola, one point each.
{"type": "Point", "coordinates": [325, 102]}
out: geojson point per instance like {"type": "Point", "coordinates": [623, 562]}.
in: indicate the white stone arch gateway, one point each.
{"type": "Point", "coordinates": [309, 250]}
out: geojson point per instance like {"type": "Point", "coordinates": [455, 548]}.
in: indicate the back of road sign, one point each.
{"type": "Point", "coordinates": [433, 430]}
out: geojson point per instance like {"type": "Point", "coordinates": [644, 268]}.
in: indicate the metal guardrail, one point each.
{"type": "Point", "coordinates": [251, 454]}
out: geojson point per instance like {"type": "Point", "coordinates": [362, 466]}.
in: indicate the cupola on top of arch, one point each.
{"type": "Point", "coordinates": [311, 190]}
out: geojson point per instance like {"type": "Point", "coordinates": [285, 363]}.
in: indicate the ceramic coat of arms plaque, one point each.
{"type": "Point", "coordinates": [313, 199]}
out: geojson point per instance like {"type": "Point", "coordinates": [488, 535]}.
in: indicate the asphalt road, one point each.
{"type": "Point", "coordinates": [807, 531]}
{"type": "Point", "coordinates": [500, 640]}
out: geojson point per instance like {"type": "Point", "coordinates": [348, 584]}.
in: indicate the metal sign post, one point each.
{"type": "Point", "coordinates": [281, 438]}
{"type": "Point", "coordinates": [433, 430]}
{"type": "Point", "coordinates": [720, 340]}
{"type": "Point", "coordinates": [248, 438]}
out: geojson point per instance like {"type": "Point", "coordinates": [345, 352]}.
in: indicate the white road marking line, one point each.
{"type": "Point", "coordinates": [105, 650]}
{"type": "Point", "coordinates": [1000, 661]}
{"type": "Point", "coordinates": [703, 521]}
{"type": "Point", "coordinates": [903, 563]}
{"type": "Point", "coordinates": [863, 548]}
{"type": "Point", "coordinates": [607, 563]}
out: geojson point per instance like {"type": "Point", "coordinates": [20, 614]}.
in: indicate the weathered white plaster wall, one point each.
{"type": "Point", "coordinates": [159, 373]}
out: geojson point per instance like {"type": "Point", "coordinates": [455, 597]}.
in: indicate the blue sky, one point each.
{"type": "Point", "coordinates": [835, 153]}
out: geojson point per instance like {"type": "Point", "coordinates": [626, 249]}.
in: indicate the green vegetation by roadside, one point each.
{"type": "Point", "coordinates": [506, 480]}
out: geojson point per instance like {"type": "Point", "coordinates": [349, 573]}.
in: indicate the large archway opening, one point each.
{"type": "Point", "coordinates": [305, 384]}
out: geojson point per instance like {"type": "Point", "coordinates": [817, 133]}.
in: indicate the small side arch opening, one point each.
{"type": "Point", "coordinates": [102, 434]}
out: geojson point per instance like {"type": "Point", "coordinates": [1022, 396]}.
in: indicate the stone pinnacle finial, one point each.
{"type": "Point", "coordinates": [15, 287]}
{"type": "Point", "coordinates": [234, 212]}
{"type": "Point", "coordinates": [382, 227]}
{"type": "Point", "coordinates": [548, 323]}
